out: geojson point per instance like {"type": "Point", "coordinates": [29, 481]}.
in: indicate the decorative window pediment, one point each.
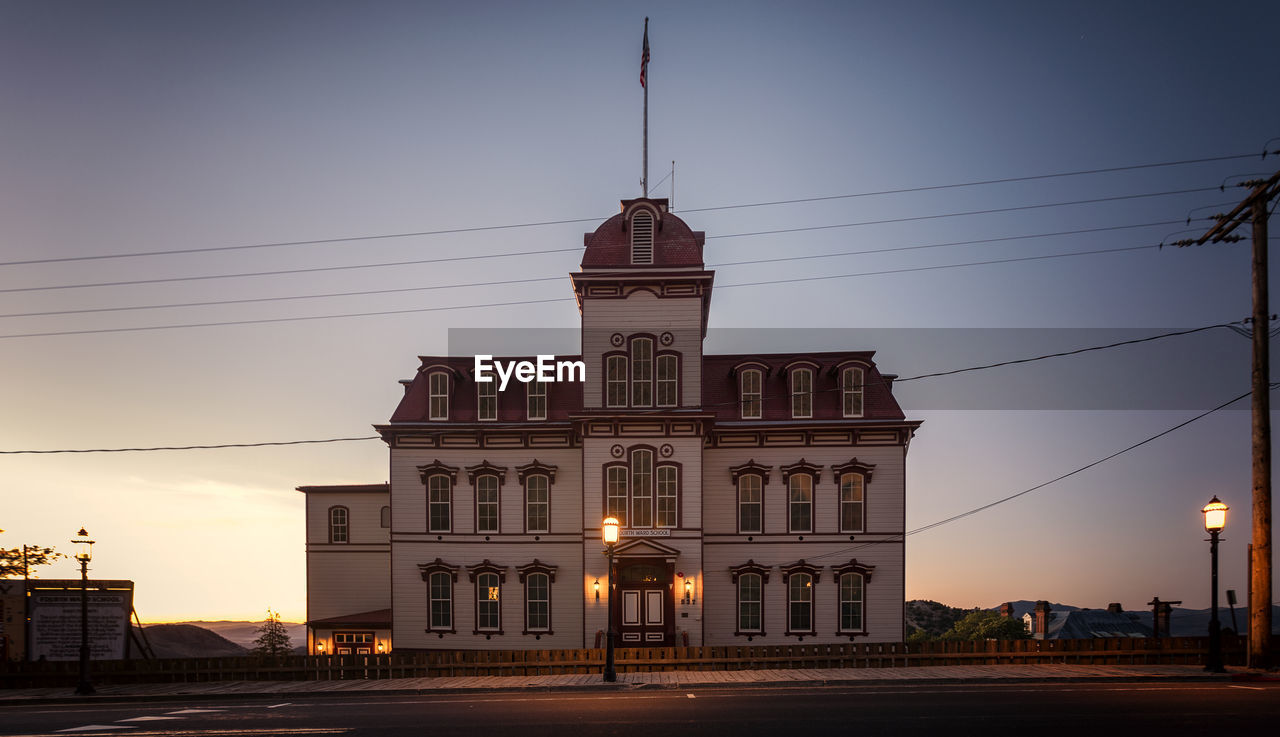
{"type": "Point", "coordinates": [535, 467]}
{"type": "Point", "coordinates": [750, 567]}
{"type": "Point", "coordinates": [436, 467]}
{"type": "Point", "coordinates": [750, 467]}
{"type": "Point", "coordinates": [801, 566]}
{"type": "Point", "coordinates": [437, 566]}
{"type": "Point", "coordinates": [487, 566]}
{"type": "Point", "coordinates": [801, 466]}
{"type": "Point", "coordinates": [485, 468]}
{"type": "Point", "coordinates": [854, 466]}
{"type": "Point", "coordinates": [853, 566]}
{"type": "Point", "coordinates": [764, 368]}
{"type": "Point", "coordinates": [536, 566]}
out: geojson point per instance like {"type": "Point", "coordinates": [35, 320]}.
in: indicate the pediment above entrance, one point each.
{"type": "Point", "coordinates": [647, 549]}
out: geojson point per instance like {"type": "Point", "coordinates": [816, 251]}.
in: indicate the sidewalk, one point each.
{"type": "Point", "coordinates": [951, 674]}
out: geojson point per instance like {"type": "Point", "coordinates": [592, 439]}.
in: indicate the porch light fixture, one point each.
{"type": "Point", "coordinates": [596, 586]}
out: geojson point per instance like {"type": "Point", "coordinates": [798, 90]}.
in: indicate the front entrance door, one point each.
{"type": "Point", "coordinates": [645, 610]}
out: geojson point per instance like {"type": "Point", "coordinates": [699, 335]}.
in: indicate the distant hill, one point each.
{"type": "Point", "coordinates": [932, 617]}
{"type": "Point", "coordinates": [189, 641]}
{"type": "Point", "coordinates": [1182, 622]}
{"type": "Point", "coordinates": [244, 633]}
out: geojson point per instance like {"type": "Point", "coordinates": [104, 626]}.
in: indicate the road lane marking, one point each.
{"type": "Point", "coordinates": [95, 728]}
{"type": "Point", "coordinates": [1251, 688]}
{"type": "Point", "coordinates": [277, 706]}
{"type": "Point", "coordinates": [691, 696]}
{"type": "Point", "coordinates": [194, 711]}
{"type": "Point", "coordinates": [148, 719]}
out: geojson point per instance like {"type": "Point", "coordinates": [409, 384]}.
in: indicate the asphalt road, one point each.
{"type": "Point", "coordinates": [959, 709]}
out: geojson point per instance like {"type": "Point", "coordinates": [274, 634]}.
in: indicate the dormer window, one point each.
{"type": "Point", "coordinates": [439, 394]}
{"type": "Point", "coordinates": [801, 393]}
{"type": "Point", "coordinates": [642, 237]}
{"type": "Point", "coordinates": [487, 400]}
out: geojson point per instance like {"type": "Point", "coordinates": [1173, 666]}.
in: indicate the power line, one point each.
{"type": "Point", "coordinates": [991, 211]}
{"type": "Point", "coordinates": [558, 277]}
{"type": "Point", "coordinates": [564, 299]}
{"type": "Point", "coordinates": [510, 226]}
{"type": "Point", "coordinates": [763, 396]}
{"type": "Point", "coordinates": [1037, 487]}
{"type": "Point", "coordinates": [135, 282]}
{"type": "Point", "coordinates": [188, 447]}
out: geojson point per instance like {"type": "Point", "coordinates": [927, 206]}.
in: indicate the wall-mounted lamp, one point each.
{"type": "Point", "coordinates": [381, 648]}
{"type": "Point", "coordinates": [688, 591]}
{"type": "Point", "coordinates": [596, 586]}
{"type": "Point", "coordinates": [320, 648]}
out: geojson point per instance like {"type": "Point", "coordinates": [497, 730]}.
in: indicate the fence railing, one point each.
{"type": "Point", "coordinates": [437, 663]}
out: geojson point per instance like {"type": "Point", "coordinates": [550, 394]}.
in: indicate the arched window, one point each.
{"type": "Point", "coordinates": [537, 400]}
{"type": "Point", "coordinates": [853, 578]}
{"type": "Point", "coordinates": [641, 372]}
{"type": "Point", "coordinates": [488, 603]}
{"type": "Point", "coordinates": [801, 393]}
{"type": "Point", "coordinates": [438, 385]}
{"type": "Point", "coordinates": [668, 366]}
{"type": "Point", "coordinates": [616, 494]}
{"type": "Point", "coordinates": [750, 603]}
{"type": "Point", "coordinates": [851, 603]}
{"type": "Point", "coordinates": [851, 391]}
{"type": "Point", "coordinates": [852, 503]}
{"type": "Point", "coordinates": [441, 595]}
{"type": "Point", "coordinates": [668, 492]}
{"type": "Point", "coordinates": [750, 503]}
{"type": "Point", "coordinates": [386, 517]}
{"type": "Point", "coordinates": [487, 400]}
{"type": "Point", "coordinates": [537, 503]}
{"type": "Point", "coordinates": [750, 394]}
{"type": "Point", "coordinates": [641, 488]}
{"type": "Point", "coordinates": [616, 381]}
{"type": "Point", "coordinates": [749, 580]}
{"type": "Point", "coordinates": [800, 504]}
{"type": "Point", "coordinates": [800, 603]}
{"type": "Point", "coordinates": [642, 237]}
{"type": "Point", "coordinates": [439, 503]}
{"type": "Point", "coordinates": [486, 503]}
{"type": "Point", "coordinates": [537, 596]}
{"type": "Point", "coordinates": [537, 578]}
{"type": "Point", "coordinates": [338, 526]}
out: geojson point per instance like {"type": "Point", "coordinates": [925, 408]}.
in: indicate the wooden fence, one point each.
{"type": "Point", "coordinates": [436, 663]}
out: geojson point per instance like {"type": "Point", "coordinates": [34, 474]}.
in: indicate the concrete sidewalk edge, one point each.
{"type": "Point", "coordinates": [618, 687]}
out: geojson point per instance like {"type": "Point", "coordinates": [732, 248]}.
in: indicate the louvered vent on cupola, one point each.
{"type": "Point", "coordinates": [642, 238]}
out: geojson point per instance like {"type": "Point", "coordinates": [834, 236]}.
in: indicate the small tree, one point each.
{"type": "Point", "coordinates": [273, 638]}
{"type": "Point", "coordinates": [13, 565]}
{"type": "Point", "coordinates": [987, 625]}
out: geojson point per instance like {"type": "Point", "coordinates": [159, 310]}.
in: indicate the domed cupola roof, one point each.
{"type": "Point", "coordinates": [643, 236]}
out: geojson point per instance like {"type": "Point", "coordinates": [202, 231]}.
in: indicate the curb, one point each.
{"type": "Point", "coordinates": [627, 687]}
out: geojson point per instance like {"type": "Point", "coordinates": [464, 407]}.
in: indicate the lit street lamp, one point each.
{"type": "Point", "coordinates": [609, 532]}
{"type": "Point", "coordinates": [1215, 518]}
{"type": "Point", "coordinates": [84, 553]}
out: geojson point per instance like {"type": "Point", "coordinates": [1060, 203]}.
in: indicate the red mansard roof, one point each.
{"type": "Point", "coordinates": [720, 385]}
{"type": "Point", "coordinates": [674, 243]}
{"type": "Point", "coordinates": [719, 389]}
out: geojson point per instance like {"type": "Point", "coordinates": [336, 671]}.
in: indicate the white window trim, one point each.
{"type": "Point", "coordinates": [546, 503]}
{"type": "Point", "coordinates": [755, 396]}
{"type": "Point", "coordinates": [448, 502]}
{"type": "Point", "coordinates": [673, 380]}
{"type": "Point", "coordinates": [486, 390]}
{"type": "Point", "coordinates": [792, 503]}
{"type": "Point", "coordinates": [862, 503]}
{"type": "Point", "coordinates": [852, 383]}
{"type": "Point", "coordinates": [758, 601]}
{"type": "Point", "coordinates": [806, 394]}
{"type": "Point", "coordinates": [759, 503]}
{"type": "Point", "coordinates": [537, 390]}
{"type": "Point", "coordinates": [621, 382]}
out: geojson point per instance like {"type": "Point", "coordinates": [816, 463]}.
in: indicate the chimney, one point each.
{"type": "Point", "coordinates": [1042, 618]}
{"type": "Point", "coordinates": [1115, 608]}
{"type": "Point", "coordinates": [1161, 611]}
{"type": "Point", "coordinates": [1006, 610]}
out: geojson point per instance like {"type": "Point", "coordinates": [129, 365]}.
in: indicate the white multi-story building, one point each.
{"type": "Point", "coordinates": [761, 495]}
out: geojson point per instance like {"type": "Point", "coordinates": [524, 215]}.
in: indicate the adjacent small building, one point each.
{"type": "Point", "coordinates": [761, 495]}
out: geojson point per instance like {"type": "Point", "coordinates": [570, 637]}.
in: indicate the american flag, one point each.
{"type": "Point", "coordinates": [644, 56]}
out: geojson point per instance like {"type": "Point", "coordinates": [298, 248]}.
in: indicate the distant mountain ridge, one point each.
{"type": "Point", "coordinates": [189, 641]}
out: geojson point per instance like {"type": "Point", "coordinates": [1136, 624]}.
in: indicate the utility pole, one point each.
{"type": "Point", "coordinates": [1254, 208]}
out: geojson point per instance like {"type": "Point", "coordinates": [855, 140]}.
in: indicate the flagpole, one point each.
{"type": "Point", "coordinates": [644, 173]}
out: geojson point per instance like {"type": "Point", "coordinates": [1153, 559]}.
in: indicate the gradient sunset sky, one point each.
{"type": "Point", "coordinates": [133, 127]}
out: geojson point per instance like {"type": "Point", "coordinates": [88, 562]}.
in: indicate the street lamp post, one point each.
{"type": "Point", "coordinates": [84, 553]}
{"type": "Point", "coordinates": [1215, 518]}
{"type": "Point", "coordinates": [609, 532]}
